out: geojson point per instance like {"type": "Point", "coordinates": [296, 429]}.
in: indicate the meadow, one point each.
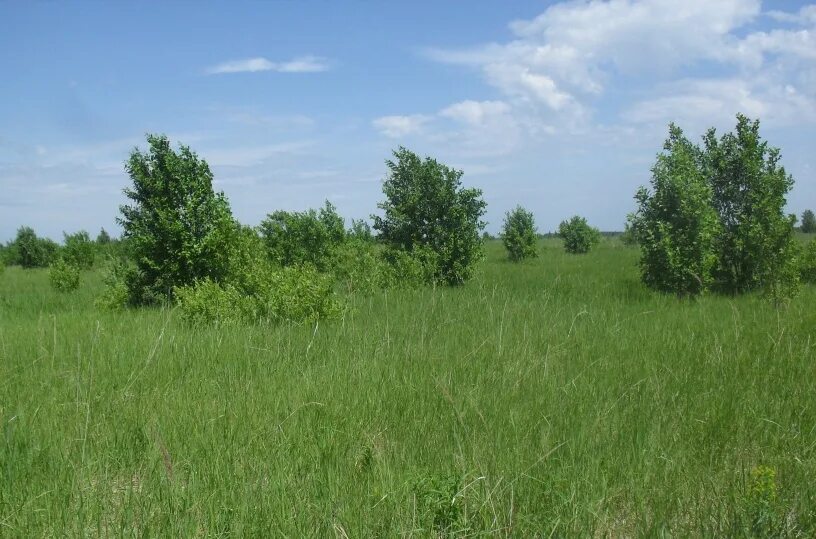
{"type": "Point", "coordinates": [558, 397]}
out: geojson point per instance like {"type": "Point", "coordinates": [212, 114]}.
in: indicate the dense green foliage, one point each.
{"type": "Point", "coordinates": [310, 237]}
{"type": "Point", "coordinates": [429, 213]}
{"type": "Point", "coordinates": [714, 218]}
{"type": "Point", "coordinates": [808, 224]}
{"type": "Point", "coordinates": [64, 275]}
{"type": "Point", "coordinates": [578, 236]}
{"type": "Point", "coordinates": [30, 251]}
{"type": "Point", "coordinates": [676, 224]}
{"type": "Point", "coordinates": [559, 397]}
{"type": "Point", "coordinates": [808, 264]}
{"type": "Point", "coordinates": [103, 238]}
{"type": "Point", "coordinates": [519, 234]}
{"type": "Point", "coordinates": [755, 244]}
{"type": "Point", "coordinates": [79, 250]}
{"type": "Point", "coordinates": [180, 230]}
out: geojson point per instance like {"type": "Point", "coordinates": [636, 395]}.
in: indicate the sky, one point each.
{"type": "Point", "coordinates": [558, 106]}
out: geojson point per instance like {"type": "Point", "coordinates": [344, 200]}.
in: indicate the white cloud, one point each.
{"type": "Point", "coordinates": [475, 112]}
{"type": "Point", "coordinates": [302, 64]}
{"type": "Point", "coordinates": [400, 126]}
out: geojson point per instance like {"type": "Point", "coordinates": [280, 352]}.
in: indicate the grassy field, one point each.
{"type": "Point", "coordinates": [554, 398]}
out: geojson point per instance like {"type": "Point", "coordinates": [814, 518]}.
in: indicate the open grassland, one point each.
{"type": "Point", "coordinates": [557, 397]}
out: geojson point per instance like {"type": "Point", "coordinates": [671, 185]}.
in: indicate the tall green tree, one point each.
{"type": "Point", "coordinates": [179, 229]}
{"type": "Point", "coordinates": [519, 234]}
{"type": "Point", "coordinates": [808, 222]}
{"type": "Point", "coordinates": [755, 243]}
{"type": "Point", "coordinates": [429, 213]}
{"type": "Point", "coordinates": [676, 224]}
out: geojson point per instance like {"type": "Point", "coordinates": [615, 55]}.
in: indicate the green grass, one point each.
{"type": "Point", "coordinates": [556, 397]}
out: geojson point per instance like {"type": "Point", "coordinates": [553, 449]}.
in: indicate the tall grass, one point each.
{"type": "Point", "coordinates": [556, 397]}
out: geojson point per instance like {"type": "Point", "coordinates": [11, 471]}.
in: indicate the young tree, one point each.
{"type": "Point", "coordinates": [430, 214]}
{"type": "Point", "coordinates": [360, 231]}
{"type": "Point", "coordinates": [79, 250]}
{"type": "Point", "coordinates": [103, 238]}
{"type": "Point", "coordinates": [30, 251]}
{"type": "Point", "coordinates": [808, 222]}
{"type": "Point", "coordinates": [519, 234]}
{"type": "Point", "coordinates": [675, 223]}
{"type": "Point", "coordinates": [180, 231]}
{"type": "Point", "coordinates": [578, 236]}
{"type": "Point", "coordinates": [297, 238]}
{"type": "Point", "coordinates": [755, 243]}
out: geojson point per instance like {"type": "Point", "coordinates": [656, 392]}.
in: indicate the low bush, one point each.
{"type": "Point", "coordinates": [116, 276]}
{"type": "Point", "coordinates": [64, 276]}
{"type": "Point", "coordinates": [295, 294]}
{"type": "Point", "coordinates": [578, 236]}
{"type": "Point", "coordinates": [808, 264]}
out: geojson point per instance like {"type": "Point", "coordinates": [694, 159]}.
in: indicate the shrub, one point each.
{"type": "Point", "coordinates": [755, 243]}
{"type": "Point", "coordinates": [808, 264]}
{"type": "Point", "coordinates": [296, 294]}
{"type": "Point", "coordinates": [359, 266]}
{"type": "Point", "coordinates": [30, 251]}
{"type": "Point", "coordinates": [360, 230]}
{"type": "Point", "coordinates": [676, 223]}
{"type": "Point", "coordinates": [519, 234]}
{"type": "Point", "coordinates": [629, 235]}
{"type": "Point", "coordinates": [117, 274]}
{"type": "Point", "coordinates": [79, 250]}
{"type": "Point", "coordinates": [808, 222]}
{"type": "Point", "coordinates": [427, 208]}
{"type": "Point", "coordinates": [578, 236]}
{"type": "Point", "coordinates": [64, 276]}
{"type": "Point", "coordinates": [297, 238]}
{"type": "Point", "coordinates": [180, 231]}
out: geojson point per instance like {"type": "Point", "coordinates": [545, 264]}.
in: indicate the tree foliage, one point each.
{"type": "Point", "coordinates": [79, 250]}
{"type": "Point", "coordinates": [30, 251]}
{"type": "Point", "coordinates": [297, 238]}
{"type": "Point", "coordinates": [714, 217]}
{"type": "Point", "coordinates": [676, 223]}
{"type": "Point", "coordinates": [519, 234]}
{"type": "Point", "coordinates": [808, 222]}
{"type": "Point", "coordinates": [755, 244]}
{"type": "Point", "coordinates": [103, 238]}
{"type": "Point", "coordinates": [578, 236]}
{"type": "Point", "coordinates": [426, 210]}
{"type": "Point", "coordinates": [180, 231]}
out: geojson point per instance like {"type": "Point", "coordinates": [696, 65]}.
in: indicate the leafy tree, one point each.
{"type": "Point", "coordinates": [519, 234]}
{"type": "Point", "coordinates": [297, 238]}
{"type": "Point", "coordinates": [675, 223]}
{"type": "Point", "coordinates": [30, 251]}
{"type": "Point", "coordinates": [755, 243]}
{"type": "Point", "coordinates": [180, 231]}
{"type": "Point", "coordinates": [629, 235]}
{"type": "Point", "coordinates": [428, 212]}
{"type": "Point", "coordinates": [578, 236]}
{"type": "Point", "coordinates": [103, 238]}
{"type": "Point", "coordinates": [808, 222]}
{"type": "Point", "coordinates": [360, 230]}
{"type": "Point", "coordinates": [79, 250]}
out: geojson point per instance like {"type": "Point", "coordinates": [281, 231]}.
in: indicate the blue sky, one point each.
{"type": "Point", "coordinates": [558, 106]}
